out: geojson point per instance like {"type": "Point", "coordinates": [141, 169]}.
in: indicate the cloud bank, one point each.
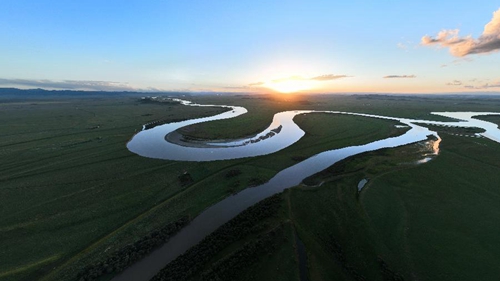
{"type": "Point", "coordinates": [256, 84]}
{"type": "Point", "coordinates": [475, 84]}
{"type": "Point", "coordinates": [320, 78]}
{"type": "Point", "coordinates": [399, 76]}
{"type": "Point", "coordinates": [484, 86]}
{"type": "Point", "coordinates": [68, 84]}
{"type": "Point", "coordinates": [325, 77]}
{"type": "Point", "coordinates": [454, 83]}
{"type": "Point", "coordinates": [488, 42]}
{"type": "Point", "coordinates": [328, 77]}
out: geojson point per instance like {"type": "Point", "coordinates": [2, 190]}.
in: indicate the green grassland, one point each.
{"type": "Point", "coordinates": [71, 193]}
{"type": "Point", "coordinates": [262, 108]}
{"type": "Point", "coordinates": [433, 221]}
{"type": "Point", "coordinates": [443, 218]}
{"type": "Point", "coordinates": [66, 184]}
{"type": "Point", "coordinates": [490, 118]}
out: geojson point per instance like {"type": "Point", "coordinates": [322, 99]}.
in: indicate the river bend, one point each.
{"type": "Point", "coordinates": [152, 143]}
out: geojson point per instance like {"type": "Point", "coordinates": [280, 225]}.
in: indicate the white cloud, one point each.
{"type": "Point", "coordinates": [256, 84]}
{"type": "Point", "coordinates": [328, 77]}
{"type": "Point", "coordinates": [454, 83]}
{"type": "Point", "coordinates": [402, 46]}
{"type": "Point", "coordinates": [399, 76]}
{"type": "Point", "coordinates": [488, 42]}
{"type": "Point", "coordinates": [324, 77]}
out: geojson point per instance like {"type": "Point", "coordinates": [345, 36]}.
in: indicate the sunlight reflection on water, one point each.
{"type": "Point", "coordinates": [152, 143]}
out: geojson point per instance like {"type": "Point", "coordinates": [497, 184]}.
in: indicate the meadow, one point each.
{"type": "Point", "coordinates": [72, 194]}
{"type": "Point", "coordinates": [432, 221]}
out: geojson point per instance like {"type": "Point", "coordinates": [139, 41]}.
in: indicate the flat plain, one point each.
{"type": "Point", "coordinates": [71, 194]}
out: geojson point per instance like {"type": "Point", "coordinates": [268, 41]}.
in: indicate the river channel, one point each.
{"type": "Point", "coordinates": [153, 143]}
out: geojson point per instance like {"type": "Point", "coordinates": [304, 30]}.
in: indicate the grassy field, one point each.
{"type": "Point", "coordinates": [433, 221]}
{"type": "Point", "coordinates": [490, 118]}
{"type": "Point", "coordinates": [71, 192]}
{"type": "Point", "coordinates": [440, 224]}
{"type": "Point", "coordinates": [262, 108]}
{"type": "Point", "coordinates": [68, 180]}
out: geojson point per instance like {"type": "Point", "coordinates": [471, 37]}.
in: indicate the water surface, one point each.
{"type": "Point", "coordinates": [151, 143]}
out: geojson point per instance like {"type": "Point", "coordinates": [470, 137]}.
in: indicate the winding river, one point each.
{"type": "Point", "coordinates": [283, 132]}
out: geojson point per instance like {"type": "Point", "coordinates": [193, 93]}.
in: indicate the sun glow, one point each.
{"type": "Point", "coordinates": [290, 86]}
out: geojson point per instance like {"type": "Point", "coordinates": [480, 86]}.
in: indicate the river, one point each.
{"type": "Point", "coordinates": [152, 143]}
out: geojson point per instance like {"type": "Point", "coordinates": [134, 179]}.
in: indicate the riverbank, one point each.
{"type": "Point", "coordinates": [102, 197]}
{"type": "Point", "coordinates": [346, 234]}
{"type": "Point", "coordinates": [112, 197]}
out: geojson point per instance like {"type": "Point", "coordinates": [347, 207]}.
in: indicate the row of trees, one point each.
{"type": "Point", "coordinates": [266, 136]}
{"type": "Point", "coordinates": [131, 253]}
{"type": "Point", "coordinates": [193, 261]}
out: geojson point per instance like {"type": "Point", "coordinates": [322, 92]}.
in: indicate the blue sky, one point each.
{"type": "Point", "coordinates": [251, 46]}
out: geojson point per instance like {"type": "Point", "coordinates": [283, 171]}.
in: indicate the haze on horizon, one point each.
{"type": "Point", "coordinates": [257, 46]}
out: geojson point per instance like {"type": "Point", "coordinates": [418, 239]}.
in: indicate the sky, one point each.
{"type": "Point", "coordinates": [251, 46]}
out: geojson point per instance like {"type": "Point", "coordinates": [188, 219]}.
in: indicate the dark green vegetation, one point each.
{"type": "Point", "coordinates": [437, 221]}
{"type": "Point", "coordinates": [71, 195]}
{"type": "Point", "coordinates": [262, 108]}
{"type": "Point", "coordinates": [434, 221]}
{"type": "Point", "coordinates": [444, 130]}
{"type": "Point", "coordinates": [122, 258]}
{"type": "Point", "coordinates": [490, 118]}
{"type": "Point", "coordinates": [68, 183]}
{"type": "Point", "coordinates": [370, 165]}
{"type": "Point", "coordinates": [253, 221]}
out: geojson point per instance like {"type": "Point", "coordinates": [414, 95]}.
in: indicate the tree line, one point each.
{"type": "Point", "coordinates": [131, 253]}
{"type": "Point", "coordinates": [247, 222]}
{"type": "Point", "coordinates": [229, 267]}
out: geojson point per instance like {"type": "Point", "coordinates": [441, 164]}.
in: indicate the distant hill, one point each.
{"type": "Point", "coordinates": [41, 93]}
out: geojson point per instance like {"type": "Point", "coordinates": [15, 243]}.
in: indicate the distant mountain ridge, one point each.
{"type": "Point", "coordinates": [38, 92]}
{"type": "Point", "coordinates": [15, 92]}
